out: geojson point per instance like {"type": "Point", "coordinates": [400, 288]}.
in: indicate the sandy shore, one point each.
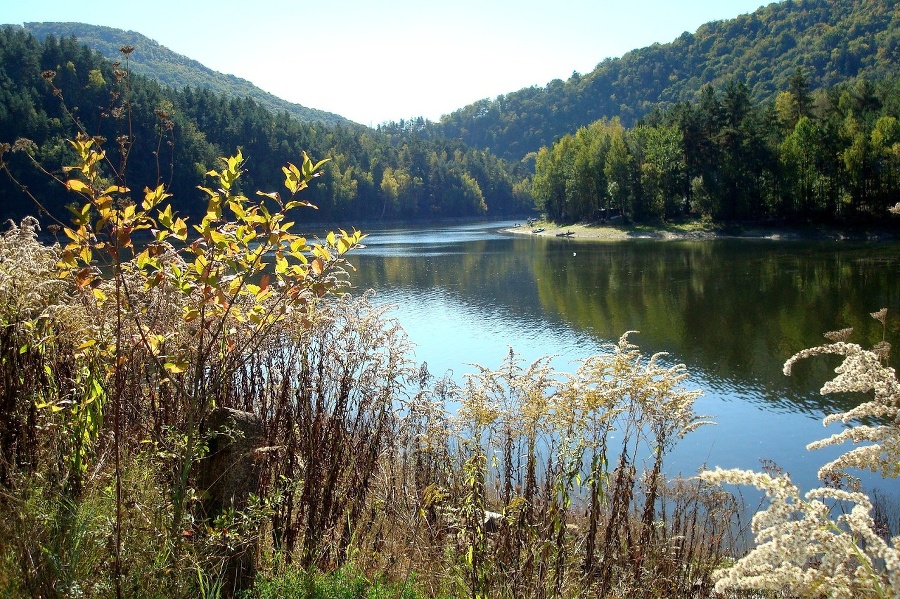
{"type": "Point", "coordinates": [693, 231]}
{"type": "Point", "coordinates": [602, 232]}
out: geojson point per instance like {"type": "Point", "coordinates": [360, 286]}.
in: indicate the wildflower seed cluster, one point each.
{"type": "Point", "coordinates": [825, 542]}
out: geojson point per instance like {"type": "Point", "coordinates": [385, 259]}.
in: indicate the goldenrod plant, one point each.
{"type": "Point", "coordinates": [527, 503]}
{"type": "Point", "coordinates": [825, 542]}
{"type": "Point", "coordinates": [205, 407]}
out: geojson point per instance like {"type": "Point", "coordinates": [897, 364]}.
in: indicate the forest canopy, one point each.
{"type": "Point", "coordinates": [178, 134]}
{"type": "Point", "coordinates": [832, 156]}
{"type": "Point", "coordinates": [832, 41]}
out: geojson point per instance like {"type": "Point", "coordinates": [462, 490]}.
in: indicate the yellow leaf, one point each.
{"type": "Point", "coordinates": [217, 237]}
{"type": "Point", "coordinates": [237, 209]}
{"type": "Point", "coordinates": [209, 191]}
{"type": "Point", "coordinates": [179, 229]}
{"type": "Point", "coordinates": [165, 217]}
{"type": "Point", "coordinates": [281, 264]}
{"type": "Point", "coordinates": [273, 195]}
{"type": "Point", "coordinates": [322, 252]}
{"type": "Point", "coordinates": [77, 186]}
{"type": "Point", "coordinates": [173, 368]}
{"type": "Point", "coordinates": [86, 345]}
{"type": "Point", "coordinates": [152, 197]}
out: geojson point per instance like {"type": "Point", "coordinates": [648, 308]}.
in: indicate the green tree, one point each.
{"type": "Point", "coordinates": [551, 176]}
{"type": "Point", "coordinates": [885, 144]}
{"type": "Point", "coordinates": [799, 90]}
{"type": "Point", "coordinates": [798, 152]}
{"type": "Point", "coordinates": [662, 170]}
{"type": "Point", "coordinates": [622, 176]}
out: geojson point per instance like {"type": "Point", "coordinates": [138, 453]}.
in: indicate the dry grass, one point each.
{"type": "Point", "coordinates": [359, 461]}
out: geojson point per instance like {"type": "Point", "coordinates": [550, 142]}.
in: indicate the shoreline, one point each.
{"type": "Point", "coordinates": [695, 231]}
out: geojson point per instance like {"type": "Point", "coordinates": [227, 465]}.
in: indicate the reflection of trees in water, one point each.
{"type": "Point", "coordinates": [733, 309]}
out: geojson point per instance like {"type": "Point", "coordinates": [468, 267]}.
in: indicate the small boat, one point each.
{"type": "Point", "coordinates": [566, 234]}
{"type": "Point", "coordinates": [538, 230]}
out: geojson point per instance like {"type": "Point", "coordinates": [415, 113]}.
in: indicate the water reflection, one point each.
{"type": "Point", "coordinates": [731, 310]}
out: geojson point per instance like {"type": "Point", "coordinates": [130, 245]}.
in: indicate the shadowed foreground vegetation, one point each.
{"type": "Point", "coordinates": [200, 408]}
{"type": "Point", "coordinates": [350, 456]}
{"type": "Point", "coordinates": [205, 418]}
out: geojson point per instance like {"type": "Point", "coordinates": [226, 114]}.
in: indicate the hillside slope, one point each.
{"type": "Point", "coordinates": [833, 41]}
{"type": "Point", "coordinates": [175, 70]}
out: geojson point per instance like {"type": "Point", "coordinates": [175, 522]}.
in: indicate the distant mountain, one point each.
{"type": "Point", "coordinates": [833, 41]}
{"type": "Point", "coordinates": [175, 70]}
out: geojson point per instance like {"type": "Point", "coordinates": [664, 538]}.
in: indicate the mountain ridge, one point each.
{"type": "Point", "coordinates": [158, 62]}
{"type": "Point", "coordinates": [832, 41]}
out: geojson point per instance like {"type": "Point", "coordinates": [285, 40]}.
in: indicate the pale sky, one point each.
{"type": "Point", "coordinates": [385, 60]}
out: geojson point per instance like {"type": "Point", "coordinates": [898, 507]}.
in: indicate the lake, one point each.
{"type": "Point", "coordinates": [731, 310]}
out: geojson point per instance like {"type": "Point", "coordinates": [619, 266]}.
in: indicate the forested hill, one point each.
{"type": "Point", "coordinates": [174, 136]}
{"type": "Point", "coordinates": [175, 70]}
{"type": "Point", "coordinates": [833, 41]}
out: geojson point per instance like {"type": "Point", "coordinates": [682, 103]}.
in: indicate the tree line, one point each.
{"type": "Point", "coordinates": [175, 137]}
{"type": "Point", "coordinates": [829, 156]}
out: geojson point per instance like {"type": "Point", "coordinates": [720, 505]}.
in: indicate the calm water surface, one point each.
{"type": "Point", "coordinates": [731, 310]}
